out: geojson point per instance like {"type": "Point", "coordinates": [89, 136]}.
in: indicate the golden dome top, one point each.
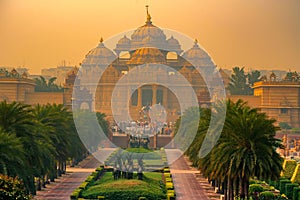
{"type": "Point", "coordinates": [147, 55]}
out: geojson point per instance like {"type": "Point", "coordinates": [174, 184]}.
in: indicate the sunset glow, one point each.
{"type": "Point", "coordinates": [256, 34]}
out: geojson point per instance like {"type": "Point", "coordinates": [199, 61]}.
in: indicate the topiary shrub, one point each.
{"type": "Point", "coordinates": [255, 188]}
{"type": "Point", "coordinates": [296, 191]}
{"type": "Point", "coordinates": [169, 186]}
{"type": "Point", "coordinates": [289, 189]}
{"type": "Point", "coordinates": [288, 168]}
{"type": "Point", "coordinates": [266, 195]}
{"type": "Point", "coordinates": [83, 185]}
{"type": "Point", "coordinates": [75, 194]}
{"type": "Point", "coordinates": [282, 184]}
{"type": "Point", "coordinates": [296, 175]}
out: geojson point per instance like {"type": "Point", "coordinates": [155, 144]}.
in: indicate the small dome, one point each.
{"type": "Point", "coordinates": [198, 57]}
{"type": "Point", "coordinates": [174, 45]}
{"type": "Point", "coordinates": [147, 55]}
{"type": "Point", "coordinates": [124, 44]}
{"type": "Point", "coordinates": [172, 41]}
{"type": "Point", "coordinates": [99, 56]}
{"type": "Point", "coordinates": [124, 41]}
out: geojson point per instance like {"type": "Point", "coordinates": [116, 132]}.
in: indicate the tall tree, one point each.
{"type": "Point", "coordinates": [43, 86]}
{"type": "Point", "coordinates": [253, 77]}
{"type": "Point", "coordinates": [246, 148]}
{"type": "Point", "coordinates": [241, 83]}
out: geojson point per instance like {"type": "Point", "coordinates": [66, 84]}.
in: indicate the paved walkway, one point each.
{"type": "Point", "coordinates": [188, 183]}
{"type": "Point", "coordinates": [62, 188]}
{"type": "Point", "coordinates": [185, 178]}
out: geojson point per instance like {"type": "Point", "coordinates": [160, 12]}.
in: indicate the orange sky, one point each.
{"type": "Point", "coordinates": [263, 34]}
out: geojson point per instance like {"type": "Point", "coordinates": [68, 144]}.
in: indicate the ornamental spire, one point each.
{"type": "Point", "coordinates": [148, 16]}
{"type": "Point", "coordinates": [196, 43]}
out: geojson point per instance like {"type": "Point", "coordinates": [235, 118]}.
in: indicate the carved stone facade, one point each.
{"type": "Point", "coordinates": [18, 87]}
{"type": "Point", "coordinates": [280, 100]}
{"type": "Point", "coordinates": [149, 47]}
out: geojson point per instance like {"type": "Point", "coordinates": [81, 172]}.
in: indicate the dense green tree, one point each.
{"type": "Point", "coordinates": [37, 141]}
{"type": "Point", "coordinates": [12, 189]}
{"type": "Point", "coordinates": [246, 148]}
{"type": "Point", "coordinates": [87, 124]}
{"type": "Point", "coordinates": [253, 77]}
{"type": "Point", "coordinates": [43, 86]}
{"type": "Point", "coordinates": [240, 82]}
{"type": "Point", "coordinates": [11, 154]}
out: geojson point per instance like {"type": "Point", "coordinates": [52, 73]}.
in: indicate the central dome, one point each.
{"type": "Point", "coordinates": [148, 35]}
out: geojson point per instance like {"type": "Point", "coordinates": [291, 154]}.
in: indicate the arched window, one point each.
{"type": "Point", "coordinates": [124, 55]}
{"type": "Point", "coordinates": [172, 56]}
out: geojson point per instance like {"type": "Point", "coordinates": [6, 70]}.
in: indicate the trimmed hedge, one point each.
{"type": "Point", "coordinates": [266, 195]}
{"type": "Point", "coordinates": [75, 194]}
{"type": "Point", "coordinates": [288, 168]}
{"type": "Point", "coordinates": [289, 189]}
{"type": "Point", "coordinates": [255, 188]}
{"type": "Point", "coordinates": [282, 184]}
{"type": "Point", "coordinates": [296, 175]}
{"type": "Point", "coordinates": [296, 191]}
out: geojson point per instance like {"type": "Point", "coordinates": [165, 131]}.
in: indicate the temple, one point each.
{"type": "Point", "coordinates": [146, 53]}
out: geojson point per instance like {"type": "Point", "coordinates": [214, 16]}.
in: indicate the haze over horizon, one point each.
{"type": "Point", "coordinates": [254, 34]}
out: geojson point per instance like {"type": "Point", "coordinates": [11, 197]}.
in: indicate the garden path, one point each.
{"type": "Point", "coordinates": [186, 183]}
{"type": "Point", "coordinates": [62, 188]}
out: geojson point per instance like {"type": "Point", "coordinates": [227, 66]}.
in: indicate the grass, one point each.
{"type": "Point", "coordinates": [150, 158]}
{"type": "Point", "coordinates": [150, 187]}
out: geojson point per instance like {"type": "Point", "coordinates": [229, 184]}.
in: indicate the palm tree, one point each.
{"type": "Point", "coordinates": [11, 154]}
{"type": "Point", "coordinates": [238, 82]}
{"type": "Point", "coordinates": [245, 149]}
{"type": "Point", "coordinates": [16, 119]}
{"type": "Point", "coordinates": [43, 86]}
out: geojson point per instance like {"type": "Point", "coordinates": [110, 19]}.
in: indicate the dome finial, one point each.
{"type": "Point", "coordinates": [195, 42]}
{"type": "Point", "coordinates": [101, 39]}
{"type": "Point", "coordinates": [148, 16]}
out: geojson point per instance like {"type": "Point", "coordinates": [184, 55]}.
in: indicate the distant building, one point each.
{"type": "Point", "coordinates": [20, 88]}
{"type": "Point", "coordinates": [59, 72]}
{"type": "Point", "coordinates": [280, 100]}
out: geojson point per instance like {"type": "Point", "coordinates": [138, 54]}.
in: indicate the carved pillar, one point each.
{"type": "Point", "coordinates": [154, 89]}
{"type": "Point", "coordinates": [165, 98]}
{"type": "Point", "coordinates": [139, 97]}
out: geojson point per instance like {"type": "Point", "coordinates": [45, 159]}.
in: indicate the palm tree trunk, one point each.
{"type": "Point", "coordinates": [246, 186]}
{"type": "Point", "coordinates": [231, 190]}
{"type": "Point", "coordinates": [228, 189]}
{"type": "Point", "coordinates": [236, 186]}
{"type": "Point", "coordinates": [225, 189]}
{"type": "Point", "coordinates": [242, 188]}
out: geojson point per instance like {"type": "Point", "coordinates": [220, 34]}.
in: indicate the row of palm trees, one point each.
{"type": "Point", "coordinates": [36, 142]}
{"type": "Point", "coordinates": [246, 149]}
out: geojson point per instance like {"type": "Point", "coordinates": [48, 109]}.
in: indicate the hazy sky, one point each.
{"type": "Point", "coordinates": [262, 34]}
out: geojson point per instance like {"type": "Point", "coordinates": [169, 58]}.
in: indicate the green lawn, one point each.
{"type": "Point", "coordinates": [152, 159]}
{"type": "Point", "coordinates": [150, 187]}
